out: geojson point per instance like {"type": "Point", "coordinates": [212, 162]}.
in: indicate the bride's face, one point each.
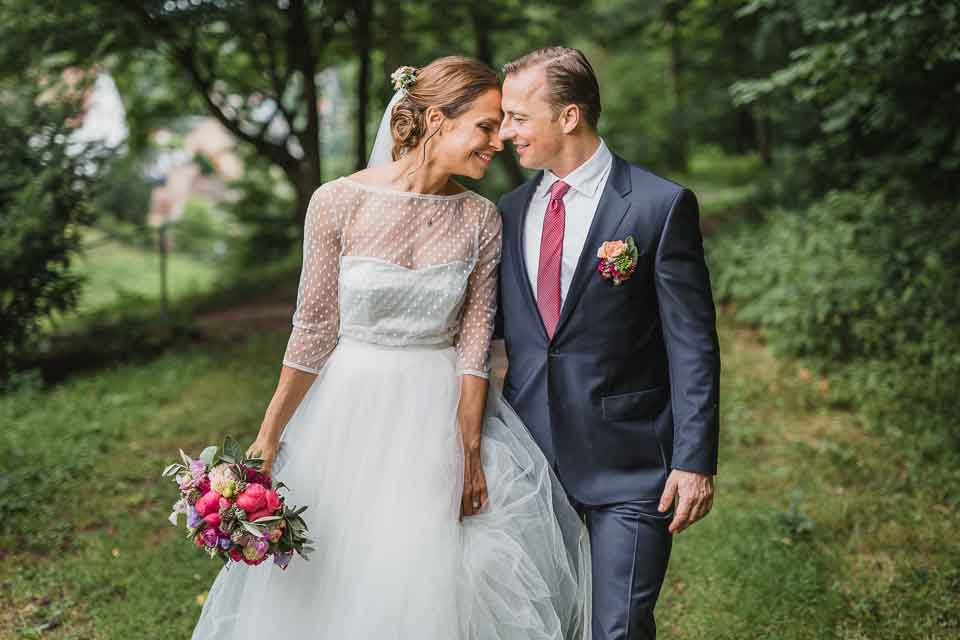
{"type": "Point", "coordinates": [467, 144]}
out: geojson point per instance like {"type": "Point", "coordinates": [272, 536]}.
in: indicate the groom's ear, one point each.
{"type": "Point", "coordinates": [570, 117]}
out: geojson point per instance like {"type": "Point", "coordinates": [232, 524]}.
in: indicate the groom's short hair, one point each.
{"type": "Point", "coordinates": [570, 79]}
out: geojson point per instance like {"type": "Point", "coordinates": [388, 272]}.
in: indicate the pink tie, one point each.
{"type": "Point", "coordinates": [551, 254]}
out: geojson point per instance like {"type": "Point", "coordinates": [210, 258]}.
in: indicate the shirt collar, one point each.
{"type": "Point", "coordinates": [584, 179]}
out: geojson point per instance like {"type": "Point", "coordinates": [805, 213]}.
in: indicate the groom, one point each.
{"type": "Point", "coordinates": [617, 382]}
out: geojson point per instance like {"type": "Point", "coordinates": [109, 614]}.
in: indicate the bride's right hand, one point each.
{"type": "Point", "coordinates": [265, 449]}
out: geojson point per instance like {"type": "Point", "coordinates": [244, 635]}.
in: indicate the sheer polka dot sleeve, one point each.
{"type": "Point", "coordinates": [316, 320]}
{"type": "Point", "coordinates": [480, 306]}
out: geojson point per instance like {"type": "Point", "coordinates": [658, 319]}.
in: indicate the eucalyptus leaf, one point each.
{"type": "Point", "coordinates": [232, 448]}
{"type": "Point", "coordinates": [208, 454]}
{"type": "Point", "coordinates": [266, 519]}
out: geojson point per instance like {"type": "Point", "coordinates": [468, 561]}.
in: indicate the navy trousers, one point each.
{"type": "Point", "coordinates": [630, 547]}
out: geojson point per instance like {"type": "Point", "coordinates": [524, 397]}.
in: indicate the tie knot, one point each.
{"type": "Point", "coordinates": [558, 189]}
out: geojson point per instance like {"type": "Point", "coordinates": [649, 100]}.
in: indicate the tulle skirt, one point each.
{"type": "Point", "coordinates": [375, 451]}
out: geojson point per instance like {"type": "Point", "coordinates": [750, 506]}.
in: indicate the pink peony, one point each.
{"type": "Point", "coordinates": [253, 498]}
{"type": "Point", "coordinates": [208, 503]}
{"type": "Point", "coordinates": [212, 519]}
{"type": "Point", "coordinates": [273, 500]}
{"type": "Point", "coordinates": [224, 504]}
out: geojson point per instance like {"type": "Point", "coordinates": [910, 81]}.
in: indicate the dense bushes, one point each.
{"type": "Point", "coordinates": [46, 185]}
{"type": "Point", "coordinates": [856, 270]}
{"type": "Point", "coordinates": [865, 287]}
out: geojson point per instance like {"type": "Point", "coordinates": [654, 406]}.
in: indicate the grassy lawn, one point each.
{"type": "Point", "coordinates": [117, 273]}
{"type": "Point", "coordinates": [819, 531]}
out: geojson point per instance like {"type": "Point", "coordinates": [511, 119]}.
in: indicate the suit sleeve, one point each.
{"type": "Point", "coordinates": [498, 318]}
{"type": "Point", "coordinates": [688, 318]}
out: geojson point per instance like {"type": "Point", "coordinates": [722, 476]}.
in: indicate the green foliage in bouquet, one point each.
{"type": "Point", "coordinates": [233, 510]}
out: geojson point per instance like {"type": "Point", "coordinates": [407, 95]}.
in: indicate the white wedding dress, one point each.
{"type": "Point", "coordinates": [396, 301]}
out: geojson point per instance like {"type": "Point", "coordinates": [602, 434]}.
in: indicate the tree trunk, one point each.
{"type": "Point", "coordinates": [305, 181]}
{"type": "Point", "coordinates": [310, 168]}
{"type": "Point", "coordinates": [364, 11]}
{"type": "Point", "coordinates": [677, 156]}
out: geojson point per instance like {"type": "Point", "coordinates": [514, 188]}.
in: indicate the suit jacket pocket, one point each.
{"type": "Point", "coordinates": [639, 404]}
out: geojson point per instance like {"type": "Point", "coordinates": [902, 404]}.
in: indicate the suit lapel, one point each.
{"type": "Point", "coordinates": [519, 253]}
{"type": "Point", "coordinates": [606, 221]}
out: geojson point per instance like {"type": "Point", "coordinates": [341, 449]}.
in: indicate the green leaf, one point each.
{"type": "Point", "coordinates": [208, 454]}
{"type": "Point", "coordinates": [232, 448]}
{"type": "Point", "coordinates": [266, 519]}
{"type": "Point", "coordinates": [172, 469]}
{"type": "Point", "coordinates": [251, 528]}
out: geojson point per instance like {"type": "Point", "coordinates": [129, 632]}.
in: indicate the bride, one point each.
{"type": "Point", "coordinates": [433, 513]}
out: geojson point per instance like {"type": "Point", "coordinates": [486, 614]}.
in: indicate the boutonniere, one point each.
{"type": "Point", "coordinates": [618, 260]}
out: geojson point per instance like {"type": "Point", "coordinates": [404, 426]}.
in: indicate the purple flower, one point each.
{"type": "Point", "coordinates": [282, 559]}
{"type": "Point", "coordinates": [261, 546]}
{"type": "Point", "coordinates": [210, 537]}
{"type": "Point", "coordinates": [185, 482]}
{"type": "Point", "coordinates": [193, 518]}
{"type": "Point", "coordinates": [198, 469]}
{"type": "Point", "coordinates": [225, 543]}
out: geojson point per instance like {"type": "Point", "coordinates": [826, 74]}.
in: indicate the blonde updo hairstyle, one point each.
{"type": "Point", "coordinates": [451, 84]}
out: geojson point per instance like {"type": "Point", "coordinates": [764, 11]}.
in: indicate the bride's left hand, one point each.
{"type": "Point", "coordinates": [474, 483]}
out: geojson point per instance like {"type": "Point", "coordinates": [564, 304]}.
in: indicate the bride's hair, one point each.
{"type": "Point", "coordinates": [451, 84]}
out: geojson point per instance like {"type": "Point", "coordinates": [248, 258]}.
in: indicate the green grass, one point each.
{"type": "Point", "coordinates": [83, 504]}
{"type": "Point", "coordinates": [119, 275]}
{"type": "Point", "coordinates": [819, 530]}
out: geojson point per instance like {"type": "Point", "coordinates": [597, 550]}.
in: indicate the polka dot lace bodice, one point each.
{"type": "Point", "coordinates": [396, 269]}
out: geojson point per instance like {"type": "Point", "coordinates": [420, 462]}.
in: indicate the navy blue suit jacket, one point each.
{"type": "Point", "coordinates": [628, 387]}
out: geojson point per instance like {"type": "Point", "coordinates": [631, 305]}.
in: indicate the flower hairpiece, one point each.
{"type": "Point", "coordinates": [403, 78]}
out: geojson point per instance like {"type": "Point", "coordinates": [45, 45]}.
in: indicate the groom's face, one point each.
{"type": "Point", "coordinates": [528, 119]}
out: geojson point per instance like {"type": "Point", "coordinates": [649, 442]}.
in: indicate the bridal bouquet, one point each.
{"type": "Point", "coordinates": [235, 512]}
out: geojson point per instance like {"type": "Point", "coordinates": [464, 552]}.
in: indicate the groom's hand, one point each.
{"type": "Point", "coordinates": [695, 493]}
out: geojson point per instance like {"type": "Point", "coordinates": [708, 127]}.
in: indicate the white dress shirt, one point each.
{"type": "Point", "coordinates": [586, 186]}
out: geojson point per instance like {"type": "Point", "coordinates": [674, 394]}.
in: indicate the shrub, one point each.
{"type": "Point", "coordinates": [265, 211]}
{"type": "Point", "coordinates": [865, 287]}
{"type": "Point", "coordinates": [46, 185]}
